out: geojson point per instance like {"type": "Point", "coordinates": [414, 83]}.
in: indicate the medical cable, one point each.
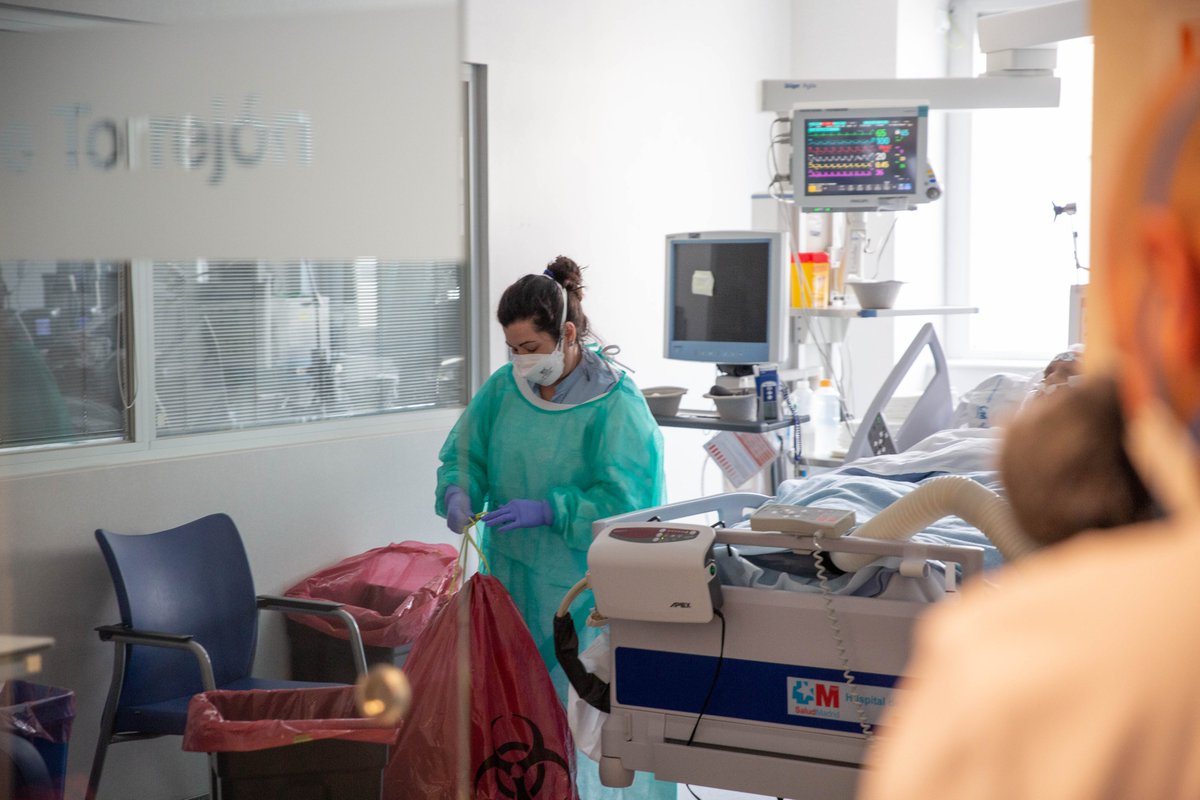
{"type": "Point", "coordinates": [825, 352]}
{"type": "Point", "coordinates": [777, 178]}
{"type": "Point", "coordinates": [838, 640]}
{"type": "Point", "coordinates": [797, 455]}
{"type": "Point", "coordinates": [878, 255]}
{"type": "Point", "coordinates": [716, 674]}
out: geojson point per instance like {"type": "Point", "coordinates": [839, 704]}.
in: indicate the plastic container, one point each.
{"type": "Point", "coordinates": [41, 716]}
{"type": "Point", "coordinates": [826, 412]}
{"type": "Point", "coordinates": [740, 407]}
{"type": "Point", "coordinates": [664, 400]}
{"type": "Point", "coordinates": [876, 294]}
{"type": "Point", "coordinates": [810, 276]}
{"type": "Point", "coordinates": [820, 280]}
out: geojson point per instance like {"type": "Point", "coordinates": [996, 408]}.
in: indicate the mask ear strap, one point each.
{"type": "Point", "coordinates": [562, 317]}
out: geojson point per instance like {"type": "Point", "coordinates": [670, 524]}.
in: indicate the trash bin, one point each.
{"type": "Point", "coordinates": [289, 744]}
{"type": "Point", "coordinates": [41, 716]}
{"type": "Point", "coordinates": [392, 592]}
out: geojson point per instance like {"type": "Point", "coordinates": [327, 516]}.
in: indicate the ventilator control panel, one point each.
{"type": "Point", "coordinates": [654, 535]}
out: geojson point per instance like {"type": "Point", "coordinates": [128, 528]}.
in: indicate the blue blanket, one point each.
{"type": "Point", "coordinates": [866, 495]}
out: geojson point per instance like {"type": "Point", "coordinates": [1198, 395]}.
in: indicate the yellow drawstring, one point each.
{"type": "Point", "coordinates": [461, 566]}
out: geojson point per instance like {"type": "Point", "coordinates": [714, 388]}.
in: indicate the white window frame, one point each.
{"type": "Point", "coordinates": [961, 63]}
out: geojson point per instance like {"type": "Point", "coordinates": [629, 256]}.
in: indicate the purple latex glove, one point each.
{"type": "Point", "coordinates": [519, 514]}
{"type": "Point", "coordinates": [458, 509]}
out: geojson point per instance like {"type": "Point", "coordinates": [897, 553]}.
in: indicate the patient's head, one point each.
{"type": "Point", "coordinates": [1064, 466]}
{"type": "Point", "coordinates": [1062, 368]}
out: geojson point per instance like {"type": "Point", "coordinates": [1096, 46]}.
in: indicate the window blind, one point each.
{"type": "Point", "coordinates": [64, 375]}
{"type": "Point", "coordinates": [241, 345]}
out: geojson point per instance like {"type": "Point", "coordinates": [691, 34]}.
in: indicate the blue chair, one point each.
{"type": "Point", "coordinates": [189, 624]}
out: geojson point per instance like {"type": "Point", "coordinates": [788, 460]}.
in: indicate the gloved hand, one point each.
{"type": "Point", "coordinates": [458, 509]}
{"type": "Point", "coordinates": [519, 514]}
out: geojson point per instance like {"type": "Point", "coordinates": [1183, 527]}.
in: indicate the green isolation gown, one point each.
{"type": "Point", "coordinates": [588, 460]}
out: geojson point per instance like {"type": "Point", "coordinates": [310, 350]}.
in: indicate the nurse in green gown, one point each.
{"type": "Point", "coordinates": [554, 440]}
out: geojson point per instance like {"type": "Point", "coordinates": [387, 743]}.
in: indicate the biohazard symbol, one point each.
{"type": "Point", "coordinates": [521, 768]}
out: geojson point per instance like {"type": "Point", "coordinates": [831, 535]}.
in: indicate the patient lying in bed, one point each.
{"type": "Point", "coordinates": [1054, 438]}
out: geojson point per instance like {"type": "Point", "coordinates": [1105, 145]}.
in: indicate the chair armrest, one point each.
{"type": "Point", "coordinates": [178, 641]}
{"type": "Point", "coordinates": [126, 633]}
{"type": "Point", "coordinates": [273, 602]}
{"type": "Point", "coordinates": [323, 608]}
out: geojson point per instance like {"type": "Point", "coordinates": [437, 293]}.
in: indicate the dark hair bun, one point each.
{"type": "Point", "coordinates": [567, 273]}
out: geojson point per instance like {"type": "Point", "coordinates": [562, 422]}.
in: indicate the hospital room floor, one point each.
{"type": "Point", "coordinates": [706, 793]}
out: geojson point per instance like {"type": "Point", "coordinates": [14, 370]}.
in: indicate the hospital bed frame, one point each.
{"type": "Point", "coordinates": [780, 719]}
{"type": "Point", "coordinates": [932, 412]}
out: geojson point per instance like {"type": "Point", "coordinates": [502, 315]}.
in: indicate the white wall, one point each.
{"type": "Point", "coordinates": [611, 125]}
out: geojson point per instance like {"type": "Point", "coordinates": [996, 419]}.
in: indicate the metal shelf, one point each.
{"type": "Point", "coordinates": [854, 311]}
{"type": "Point", "coordinates": [708, 420]}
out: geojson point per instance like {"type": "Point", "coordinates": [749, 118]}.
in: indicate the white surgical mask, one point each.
{"type": "Point", "coordinates": [544, 368]}
{"type": "Point", "coordinates": [540, 368]}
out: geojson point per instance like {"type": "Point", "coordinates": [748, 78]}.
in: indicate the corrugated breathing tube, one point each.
{"type": "Point", "coordinates": [952, 495]}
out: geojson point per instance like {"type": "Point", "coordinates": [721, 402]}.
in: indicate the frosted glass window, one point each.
{"type": "Point", "coordinates": [251, 345]}
{"type": "Point", "coordinates": [64, 377]}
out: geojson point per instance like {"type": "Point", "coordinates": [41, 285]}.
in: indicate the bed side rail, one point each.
{"type": "Point", "coordinates": [730, 509]}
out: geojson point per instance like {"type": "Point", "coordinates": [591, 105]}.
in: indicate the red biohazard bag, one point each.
{"type": "Point", "coordinates": [392, 591]}
{"type": "Point", "coordinates": [519, 742]}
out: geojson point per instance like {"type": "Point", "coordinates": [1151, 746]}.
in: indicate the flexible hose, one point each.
{"type": "Point", "coordinates": [942, 497]}
{"type": "Point", "coordinates": [590, 689]}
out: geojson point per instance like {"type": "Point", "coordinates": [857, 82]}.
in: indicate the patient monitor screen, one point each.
{"type": "Point", "coordinates": [857, 155]}
{"type": "Point", "coordinates": [720, 291]}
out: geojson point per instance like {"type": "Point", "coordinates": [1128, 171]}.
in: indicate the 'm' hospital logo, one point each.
{"type": "Point", "coordinates": [810, 698]}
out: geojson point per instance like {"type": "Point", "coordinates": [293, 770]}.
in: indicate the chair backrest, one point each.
{"type": "Point", "coordinates": [194, 579]}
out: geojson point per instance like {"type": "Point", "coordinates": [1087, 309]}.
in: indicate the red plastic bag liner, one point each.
{"type": "Point", "coordinates": [520, 743]}
{"type": "Point", "coordinates": [226, 721]}
{"type": "Point", "coordinates": [392, 591]}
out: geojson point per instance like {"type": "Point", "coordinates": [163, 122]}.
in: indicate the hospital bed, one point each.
{"type": "Point", "coordinates": [777, 689]}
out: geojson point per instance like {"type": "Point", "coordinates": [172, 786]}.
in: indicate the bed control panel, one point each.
{"type": "Point", "coordinates": [879, 437]}
{"type": "Point", "coordinates": [802, 519]}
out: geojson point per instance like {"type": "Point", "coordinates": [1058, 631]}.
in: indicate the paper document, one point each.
{"type": "Point", "coordinates": [740, 456]}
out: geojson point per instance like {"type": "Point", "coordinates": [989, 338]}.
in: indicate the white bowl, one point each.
{"type": "Point", "coordinates": [875, 294]}
{"type": "Point", "coordinates": [742, 407]}
{"type": "Point", "coordinates": [664, 400]}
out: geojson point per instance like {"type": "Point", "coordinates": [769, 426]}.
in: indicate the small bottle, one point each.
{"type": "Point", "coordinates": [826, 412]}
{"type": "Point", "coordinates": [802, 401]}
